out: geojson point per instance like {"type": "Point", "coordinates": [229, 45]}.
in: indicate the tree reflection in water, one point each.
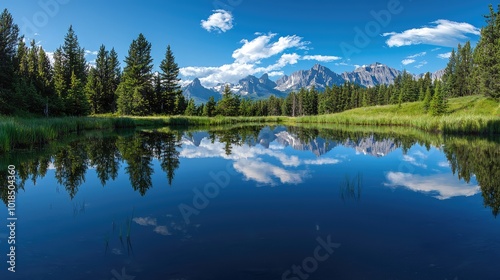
{"type": "Point", "coordinates": [468, 157]}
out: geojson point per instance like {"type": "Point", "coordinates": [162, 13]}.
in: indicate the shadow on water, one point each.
{"type": "Point", "coordinates": [107, 152]}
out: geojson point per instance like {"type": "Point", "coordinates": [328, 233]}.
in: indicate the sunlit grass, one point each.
{"type": "Point", "coordinates": [466, 115]}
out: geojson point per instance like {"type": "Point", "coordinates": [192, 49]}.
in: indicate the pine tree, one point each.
{"type": "Point", "coordinates": [76, 100]}
{"type": "Point", "coordinates": [44, 75]}
{"type": "Point", "coordinates": [92, 90]}
{"type": "Point", "coordinates": [465, 68]}
{"type": "Point", "coordinates": [158, 92]}
{"type": "Point", "coordinates": [113, 69]}
{"type": "Point", "coordinates": [449, 76]}
{"type": "Point", "coordinates": [180, 104]}
{"type": "Point", "coordinates": [45, 84]}
{"type": "Point", "coordinates": [9, 37]}
{"type": "Point", "coordinates": [210, 107]}
{"type": "Point", "coordinates": [170, 82]}
{"type": "Point", "coordinates": [70, 64]}
{"type": "Point", "coordinates": [135, 91]}
{"type": "Point", "coordinates": [427, 99]}
{"type": "Point", "coordinates": [102, 82]}
{"type": "Point", "coordinates": [487, 55]}
{"type": "Point", "coordinates": [438, 105]}
{"type": "Point", "coordinates": [191, 108]}
{"type": "Point", "coordinates": [229, 104]}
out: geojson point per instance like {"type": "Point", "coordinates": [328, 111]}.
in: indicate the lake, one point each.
{"type": "Point", "coordinates": [254, 202]}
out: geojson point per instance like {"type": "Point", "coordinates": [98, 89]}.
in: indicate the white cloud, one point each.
{"type": "Point", "coordinates": [51, 57]}
{"type": "Point", "coordinates": [321, 161]}
{"type": "Point", "coordinates": [220, 21]}
{"type": "Point", "coordinates": [445, 185]}
{"type": "Point", "coordinates": [146, 221]}
{"type": "Point", "coordinates": [444, 55]}
{"type": "Point", "coordinates": [322, 58]}
{"type": "Point", "coordinates": [265, 173]}
{"type": "Point", "coordinates": [248, 60]}
{"type": "Point", "coordinates": [417, 55]}
{"type": "Point", "coordinates": [435, 49]}
{"type": "Point", "coordinates": [444, 164]}
{"type": "Point", "coordinates": [163, 230]}
{"type": "Point", "coordinates": [413, 161]}
{"type": "Point", "coordinates": [276, 74]}
{"type": "Point", "coordinates": [249, 161]}
{"type": "Point", "coordinates": [421, 63]}
{"type": "Point", "coordinates": [87, 52]}
{"type": "Point", "coordinates": [407, 61]}
{"type": "Point", "coordinates": [261, 47]}
{"type": "Point", "coordinates": [285, 59]}
{"type": "Point", "coordinates": [441, 33]}
{"type": "Point", "coordinates": [420, 154]}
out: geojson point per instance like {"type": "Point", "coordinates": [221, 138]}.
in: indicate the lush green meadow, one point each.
{"type": "Point", "coordinates": [466, 115]}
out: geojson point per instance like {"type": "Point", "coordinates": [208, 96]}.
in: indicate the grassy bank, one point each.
{"type": "Point", "coordinates": [467, 115]}
{"type": "Point", "coordinates": [32, 132]}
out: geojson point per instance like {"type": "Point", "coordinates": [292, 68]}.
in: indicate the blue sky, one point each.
{"type": "Point", "coordinates": [225, 40]}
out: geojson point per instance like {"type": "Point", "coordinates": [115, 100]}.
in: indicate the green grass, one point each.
{"type": "Point", "coordinates": [467, 115]}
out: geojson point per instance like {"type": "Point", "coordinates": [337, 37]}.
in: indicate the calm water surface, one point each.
{"type": "Point", "coordinates": [256, 203]}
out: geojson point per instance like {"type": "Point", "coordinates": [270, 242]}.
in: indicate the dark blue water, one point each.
{"type": "Point", "coordinates": [256, 203]}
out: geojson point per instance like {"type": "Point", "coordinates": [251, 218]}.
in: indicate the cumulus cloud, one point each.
{"type": "Point", "coordinates": [285, 59]}
{"type": "Point", "coordinates": [322, 58]}
{"type": "Point", "coordinates": [163, 230]}
{"type": "Point", "coordinates": [444, 55]}
{"type": "Point", "coordinates": [265, 173]}
{"type": "Point", "coordinates": [407, 61]}
{"type": "Point", "coordinates": [441, 33]}
{"type": "Point", "coordinates": [145, 221]}
{"type": "Point", "coordinates": [87, 52]}
{"type": "Point", "coordinates": [249, 59]}
{"type": "Point", "coordinates": [413, 161]}
{"type": "Point", "coordinates": [444, 186]}
{"type": "Point", "coordinates": [250, 161]}
{"type": "Point", "coordinates": [262, 47]}
{"type": "Point", "coordinates": [220, 21]}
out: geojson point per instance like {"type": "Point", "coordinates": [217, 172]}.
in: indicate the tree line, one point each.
{"type": "Point", "coordinates": [30, 84]}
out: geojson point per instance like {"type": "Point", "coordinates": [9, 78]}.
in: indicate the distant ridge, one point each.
{"type": "Point", "coordinates": [318, 76]}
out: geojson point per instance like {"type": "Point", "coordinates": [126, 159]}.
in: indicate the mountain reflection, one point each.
{"type": "Point", "coordinates": [259, 155]}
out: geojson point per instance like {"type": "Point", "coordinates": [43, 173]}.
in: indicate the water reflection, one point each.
{"type": "Point", "coordinates": [258, 154]}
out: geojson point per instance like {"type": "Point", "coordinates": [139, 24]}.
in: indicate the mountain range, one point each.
{"type": "Point", "coordinates": [318, 76]}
